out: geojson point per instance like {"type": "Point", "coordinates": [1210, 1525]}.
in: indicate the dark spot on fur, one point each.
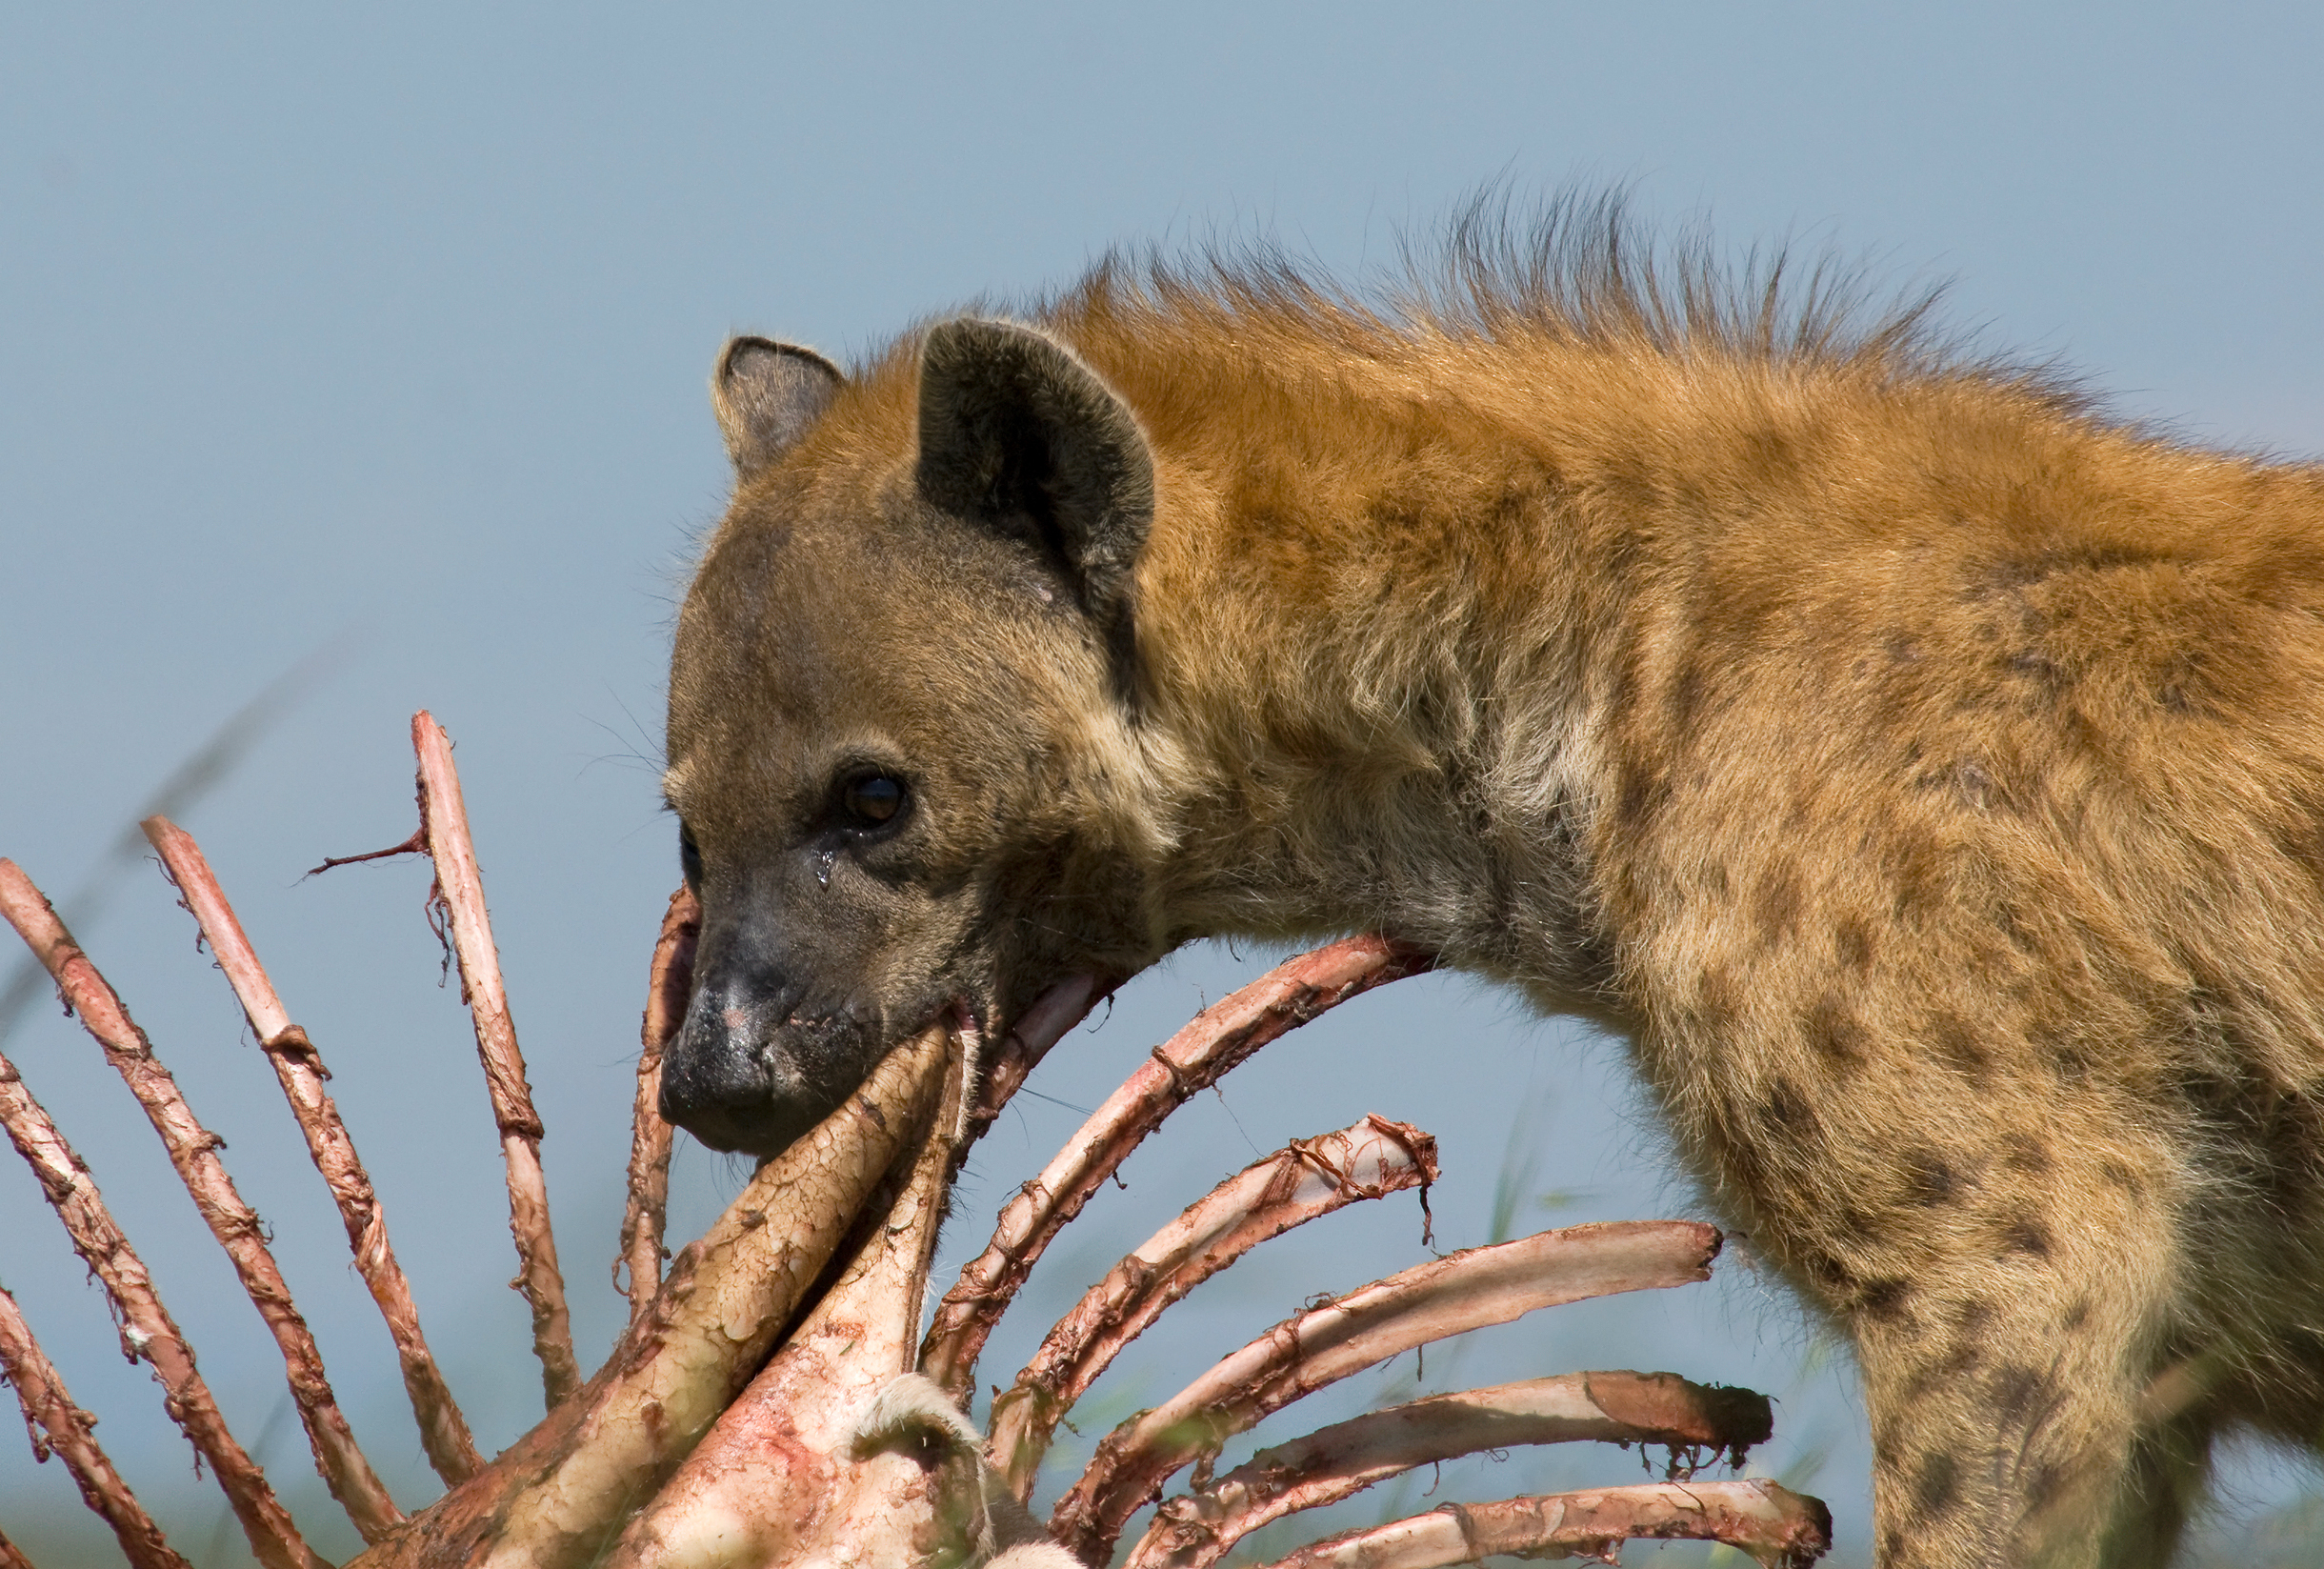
{"type": "Point", "coordinates": [2077, 1315]}
{"type": "Point", "coordinates": [1902, 649]}
{"type": "Point", "coordinates": [1786, 1115]}
{"type": "Point", "coordinates": [1886, 1298]}
{"type": "Point", "coordinates": [1916, 867]}
{"type": "Point", "coordinates": [1955, 1043]}
{"type": "Point", "coordinates": [1776, 903]}
{"type": "Point", "coordinates": [1829, 1276]}
{"type": "Point", "coordinates": [1945, 1371]}
{"type": "Point", "coordinates": [2040, 668]}
{"type": "Point", "coordinates": [2015, 1387]}
{"type": "Point", "coordinates": [1852, 939]}
{"type": "Point", "coordinates": [1939, 1485]}
{"type": "Point", "coordinates": [2121, 1177]}
{"type": "Point", "coordinates": [1772, 454]}
{"type": "Point", "coordinates": [2012, 574]}
{"type": "Point", "coordinates": [2067, 1054]}
{"type": "Point", "coordinates": [1685, 702]}
{"type": "Point", "coordinates": [1643, 793]}
{"type": "Point", "coordinates": [2028, 1154]}
{"type": "Point", "coordinates": [2185, 688]}
{"type": "Point", "coordinates": [2026, 1234]}
{"type": "Point", "coordinates": [1974, 782]}
{"type": "Point", "coordinates": [1930, 1179]}
{"type": "Point", "coordinates": [1972, 1316]}
{"type": "Point", "coordinates": [1836, 1034]}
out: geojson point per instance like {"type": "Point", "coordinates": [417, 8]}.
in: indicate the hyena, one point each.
{"type": "Point", "coordinates": [1923, 772]}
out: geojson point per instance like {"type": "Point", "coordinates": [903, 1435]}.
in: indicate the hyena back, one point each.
{"type": "Point", "coordinates": [1925, 774]}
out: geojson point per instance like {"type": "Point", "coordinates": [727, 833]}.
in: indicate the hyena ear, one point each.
{"type": "Point", "coordinates": [767, 395]}
{"type": "Point", "coordinates": [1019, 434]}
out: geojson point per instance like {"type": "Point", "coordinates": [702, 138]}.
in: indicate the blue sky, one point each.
{"type": "Point", "coordinates": [384, 334]}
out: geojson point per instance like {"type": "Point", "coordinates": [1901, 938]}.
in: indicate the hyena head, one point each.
{"type": "Point", "coordinates": [901, 742]}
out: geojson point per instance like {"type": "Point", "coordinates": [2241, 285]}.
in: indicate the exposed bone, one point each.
{"type": "Point", "coordinates": [794, 1468]}
{"type": "Point", "coordinates": [1214, 1041]}
{"type": "Point", "coordinates": [58, 1427]}
{"type": "Point", "coordinates": [668, 982]}
{"type": "Point", "coordinates": [1311, 1178]}
{"type": "Point", "coordinates": [192, 1151]}
{"type": "Point", "coordinates": [444, 821]}
{"type": "Point", "coordinates": [837, 1453]}
{"type": "Point", "coordinates": [1779, 1528]}
{"type": "Point", "coordinates": [557, 1495]}
{"type": "Point", "coordinates": [1448, 1296]}
{"type": "Point", "coordinates": [148, 1332]}
{"type": "Point", "coordinates": [298, 1067]}
{"type": "Point", "coordinates": [1028, 1041]}
{"type": "Point", "coordinates": [1339, 1461]}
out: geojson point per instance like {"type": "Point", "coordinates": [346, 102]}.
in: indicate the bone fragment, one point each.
{"type": "Point", "coordinates": [298, 1067]}
{"type": "Point", "coordinates": [1311, 1178]}
{"type": "Point", "coordinates": [557, 1496]}
{"type": "Point", "coordinates": [1339, 1461]}
{"type": "Point", "coordinates": [668, 982]}
{"type": "Point", "coordinates": [58, 1427]}
{"type": "Point", "coordinates": [1445, 1296]}
{"type": "Point", "coordinates": [1779, 1528]}
{"type": "Point", "coordinates": [444, 823]}
{"type": "Point", "coordinates": [1214, 1041]}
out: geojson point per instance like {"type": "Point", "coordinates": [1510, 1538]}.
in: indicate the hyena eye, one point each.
{"type": "Point", "coordinates": [690, 857]}
{"type": "Point", "coordinates": [873, 799]}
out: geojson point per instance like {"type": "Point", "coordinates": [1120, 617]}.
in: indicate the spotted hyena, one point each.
{"type": "Point", "coordinates": [1924, 773]}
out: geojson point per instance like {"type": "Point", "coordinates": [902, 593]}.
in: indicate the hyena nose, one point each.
{"type": "Point", "coordinates": [726, 1079]}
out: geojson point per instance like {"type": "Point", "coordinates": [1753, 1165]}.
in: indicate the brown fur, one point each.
{"type": "Point", "coordinates": [1926, 774]}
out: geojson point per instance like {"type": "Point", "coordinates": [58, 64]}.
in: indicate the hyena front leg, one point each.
{"type": "Point", "coordinates": [2007, 1361]}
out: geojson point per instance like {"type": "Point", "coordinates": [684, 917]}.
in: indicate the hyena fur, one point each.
{"type": "Point", "coordinates": [1922, 772]}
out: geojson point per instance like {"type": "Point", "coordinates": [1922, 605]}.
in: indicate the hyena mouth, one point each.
{"type": "Point", "coordinates": [998, 1066]}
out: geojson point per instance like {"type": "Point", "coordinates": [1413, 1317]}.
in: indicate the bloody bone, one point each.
{"type": "Point", "coordinates": [557, 1497]}
{"type": "Point", "coordinates": [148, 1332]}
{"type": "Point", "coordinates": [192, 1151]}
{"type": "Point", "coordinates": [777, 1480]}
{"type": "Point", "coordinates": [1311, 1178]}
{"type": "Point", "coordinates": [459, 893]}
{"type": "Point", "coordinates": [298, 1067]}
{"type": "Point", "coordinates": [1777, 1527]}
{"type": "Point", "coordinates": [1214, 1041]}
{"type": "Point", "coordinates": [444, 822]}
{"type": "Point", "coordinates": [667, 982]}
{"type": "Point", "coordinates": [59, 1427]}
{"type": "Point", "coordinates": [1339, 1461]}
{"type": "Point", "coordinates": [1448, 1296]}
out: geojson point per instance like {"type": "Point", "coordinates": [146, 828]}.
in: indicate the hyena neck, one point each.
{"type": "Point", "coordinates": [1371, 630]}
